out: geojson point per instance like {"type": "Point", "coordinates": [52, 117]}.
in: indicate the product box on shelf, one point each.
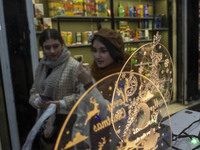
{"type": "Point", "coordinates": [81, 38]}
{"type": "Point", "coordinates": [64, 36]}
{"type": "Point", "coordinates": [90, 8]}
{"type": "Point", "coordinates": [85, 38]}
{"type": "Point", "coordinates": [35, 1]}
{"type": "Point", "coordinates": [78, 1]}
{"type": "Point", "coordinates": [38, 10]}
{"type": "Point", "coordinates": [132, 9]}
{"type": "Point", "coordinates": [101, 9]}
{"type": "Point", "coordinates": [47, 23]}
{"type": "Point", "coordinates": [42, 23]}
{"type": "Point", "coordinates": [67, 37]}
{"type": "Point", "coordinates": [78, 36]}
{"type": "Point", "coordinates": [68, 7]}
{"type": "Point", "coordinates": [55, 8]}
{"type": "Point", "coordinates": [78, 8]}
{"type": "Point", "coordinates": [38, 24]}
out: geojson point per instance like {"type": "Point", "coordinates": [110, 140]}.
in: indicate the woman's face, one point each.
{"type": "Point", "coordinates": [101, 54]}
{"type": "Point", "coordinates": [52, 49]}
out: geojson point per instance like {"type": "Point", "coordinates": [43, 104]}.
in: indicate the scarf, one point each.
{"type": "Point", "coordinates": [47, 84]}
{"type": "Point", "coordinates": [99, 73]}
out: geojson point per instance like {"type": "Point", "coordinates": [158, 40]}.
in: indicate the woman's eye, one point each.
{"type": "Point", "coordinates": [55, 46]}
{"type": "Point", "coordinates": [47, 47]}
{"type": "Point", "coordinates": [104, 51]}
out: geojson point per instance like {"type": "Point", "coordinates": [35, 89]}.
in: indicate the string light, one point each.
{"type": "Point", "coordinates": [194, 141]}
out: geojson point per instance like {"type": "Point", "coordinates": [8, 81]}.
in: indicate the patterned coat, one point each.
{"type": "Point", "coordinates": [68, 88]}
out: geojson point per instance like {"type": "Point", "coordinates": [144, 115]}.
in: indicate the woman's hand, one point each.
{"type": "Point", "coordinates": [55, 102]}
{"type": "Point", "coordinates": [84, 75]}
{"type": "Point", "coordinates": [47, 103]}
{"type": "Point", "coordinates": [42, 103]}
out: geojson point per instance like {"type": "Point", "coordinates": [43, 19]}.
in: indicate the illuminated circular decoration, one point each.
{"type": "Point", "coordinates": [140, 126]}
{"type": "Point", "coordinates": [146, 107]}
{"type": "Point", "coordinates": [155, 62]}
{"type": "Point", "coordinates": [128, 122]}
{"type": "Point", "coordinates": [124, 111]}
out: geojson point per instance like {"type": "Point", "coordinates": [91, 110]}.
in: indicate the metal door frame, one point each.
{"type": "Point", "coordinates": [7, 83]}
{"type": "Point", "coordinates": [33, 41]}
{"type": "Point", "coordinates": [6, 73]}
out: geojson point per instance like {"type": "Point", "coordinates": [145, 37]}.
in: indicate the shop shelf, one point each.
{"type": "Point", "coordinates": [79, 45]}
{"type": "Point", "coordinates": [127, 42]}
{"type": "Point", "coordinates": [139, 41]}
{"type": "Point", "coordinates": [147, 63]}
{"type": "Point", "coordinates": [132, 18]}
{"type": "Point", "coordinates": [160, 29]}
{"type": "Point", "coordinates": [80, 18]}
{"type": "Point", "coordinates": [38, 32]}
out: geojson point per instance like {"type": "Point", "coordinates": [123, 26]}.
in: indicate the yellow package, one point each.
{"type": "Point", "coordinates": [69, 38]}
{"type": "Point", "coordinates": [69, 13]}
{"type": "Point", "coordinates": [64, 36]}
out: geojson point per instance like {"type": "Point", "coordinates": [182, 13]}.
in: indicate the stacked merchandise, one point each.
{"type": "Point", "coordinates": [133, 10]}
{"type": "Point", "coordinates": [80, 37]}
{"type": "Point", "coordinates": [68, 7]}
{"type": "Point", "coordinates": [56, 7]}
{"type": "Point", "coordinates": [67, 37]}
{"type": "Point", "coordinates": [90, 8]}
{"type": "Point", "coordinates": [40, 21]}
{"type": "Point", "coordinates": [138, 10]}
{"type": "Point", "coordinates": [101, 8]}
{"type": "Point", "coordinates": [130, 50]}
{"type": "Point", "coordinates": [131, 34]}
{"type": "Point", "coordinates": [78, 8]}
